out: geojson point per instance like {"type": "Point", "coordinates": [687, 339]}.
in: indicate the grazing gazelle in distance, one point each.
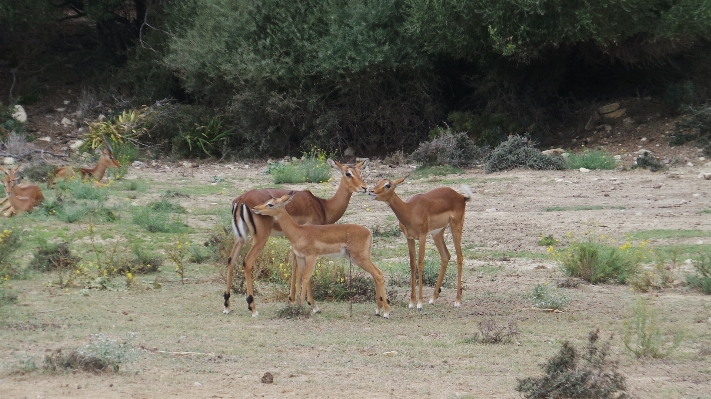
{"type": "Point", "coordinates": [20, 197]}
{"type": "Point", "coordinates": [303, 208]}
{"type": "Point", "coordinates": [422, 215]}
{"type": "Point", "coordinates": [351, 241]}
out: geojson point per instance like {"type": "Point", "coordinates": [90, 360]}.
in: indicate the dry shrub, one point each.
{"type": "Point", "coordinates": [571, 374]}
{"type": "Point", "coordinates": [491, 332]}
{"type": "Point", "coordinates": [449, 149]}
{"type": "Point", "coordinates": [520, 152]}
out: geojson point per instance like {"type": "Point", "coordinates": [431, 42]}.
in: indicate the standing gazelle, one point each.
{"type": "Point", "coordinates": [304, 208]}
{"type": "Point", "coordinates": [308, 242]}
{"type": "Point", "coordinates": [423, 214]}
{"type": "Point", "coordinates": [20, 197]}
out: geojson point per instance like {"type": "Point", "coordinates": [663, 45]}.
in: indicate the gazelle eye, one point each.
{"type": "Point", "coordinates": [387, 185]}
{"type": "Point", "coordinates": [270, 205]}
{"type": "Point", "coordinates": [348, 174]}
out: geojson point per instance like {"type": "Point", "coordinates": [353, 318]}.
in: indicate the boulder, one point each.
{"type": "Point", "coordinates": [606, 109]}
{"type": "Point", "coordinates": [19, 114]}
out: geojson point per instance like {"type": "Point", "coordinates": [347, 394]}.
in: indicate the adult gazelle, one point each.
{"type": "Point", "coordinates": [428, 214]}
{"type": "Point", "coordinates": [303, 208]}
{"type": "Point", "coordinates": [308, 242]}
{"type": "Point", "coordinates": [20, 197]}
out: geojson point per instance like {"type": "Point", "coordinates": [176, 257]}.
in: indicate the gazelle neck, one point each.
{"type": "Point", "coordinates": [288, 226]}
{"type": "Point", "coordinates": [336, 206]}
{"type": "Point", "coordinates": [97, 171]}
{"type": "Point", "coordinates": [399, 207]}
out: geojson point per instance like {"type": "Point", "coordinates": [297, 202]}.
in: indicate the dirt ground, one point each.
{"type": "Point", "coordinates": [186, 348]}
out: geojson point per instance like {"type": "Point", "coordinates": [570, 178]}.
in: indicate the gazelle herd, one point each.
{"type": "Point", "coordinates": [308, 223]}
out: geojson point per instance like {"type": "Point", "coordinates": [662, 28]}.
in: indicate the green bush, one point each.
{"type": "Point", "coordinates": [305, 170]}
{"type": "Point", "coordinates": [449, 149]}
{"type": "Point", "coordinates": [332, 281]}
{"type": "Point", "coordinates": [695, 127]}
{"type": "Point", "coordinates": [643, 338]}
{"type": "Point", "coordinates": [38, 172]}
{"type": "Point", "coordinates": [491, 332]}
{"type": "Point", "coordinates": [592, 160]}
{"type": "Point", "coordinates": [702, 279]}
{"type": "Point", "coordinates": [519, 152]}
{"type": "Point", "coordinates": [9, 244]}
{"type": "Point", "coordinates": [648, 161]}
{"type": "Point", "coordinates": [597, 263]}
{"type": "Point", "coordinates": [586, 374]}
{"type": "Point", "coordinates": [158, 222]}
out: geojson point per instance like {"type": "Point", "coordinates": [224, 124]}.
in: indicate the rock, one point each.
{"type": "Point", "coordinates": [705, 176]}
{"type": "Point", "coordinates": [9, 161]}
{"type": "Point", "coordinates": [137, 164]}
{"type": "Point", "coordinates": [76, 144]}
{"type": "Point", "coordinates": [349, 152]}
{"type": "Point", "coordinates": [618, 157]}
{"type": "Point", "coordinates": [643, 139]}
{"type": "Point", "coordinates": [643, 151]}
{"type": "Point", "coordinates": [66, 102]}
{"type": "Point", "coordinates": [45, 138]}
{"type": "Point", "coordinates": [60, 109]}
{"type": "Point", "coordinates": [584, 170]}
{"type": "Point", "coordinates": [553, 151]}
{"type": "Point", "coordinates": [66, 122]}
{"type": "Point", "coordinates": [616, 114]}
{"type": "Point", "coordinates": [19, 114]}
{"type": "Point", "coordinates": [608, 128]}
{"type": "Point", "coordinates": [628, 122]}
{"type": "Point", "coordinates": [606, 109]}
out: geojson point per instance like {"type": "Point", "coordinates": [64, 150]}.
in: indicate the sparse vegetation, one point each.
{"type": "Point", "coordinates": [99, 355]}
{"type": "Point", "coordinates": [492, 332]}
{"type": "Point", "coordinates": [702, 278]}
{"type": "Point", "coordinates": [597, 262]}
{"type": "Point", "coordinates": [643, 337]}
{"type": "Point", "coordinates": [449, 149]}
{"type": "Point", "coordinates": [49, 256]}
{"type": "Point", "coordinates": [545, 297]}
{"type": "Point", "coordinates": [648, 161]}
{"type": "Point", "coordinates": [592, 160]}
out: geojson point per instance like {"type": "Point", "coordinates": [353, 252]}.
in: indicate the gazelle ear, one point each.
{"type": "Point", "coordinates": [361, 164]}
{"type": "Point", "coordinates": [334, 164]}
{"type": "Point", "coordinates": [400, 180]}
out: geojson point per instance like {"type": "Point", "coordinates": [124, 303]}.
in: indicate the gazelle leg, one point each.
{"type": "Point", "coordinates": [381, 297]}
{"type": "Point", "coordinates": [421, 269]}
{"type": "Point", "coordinates": [294, 275]}
{"type": "Point", "coordinates": [230, 270]}
{"type": "Point", "coordinates": [413, 271]}
{"type": "Point", "coordinates": [444, 257]}
{"type": "Point", "coordinates": [308, 270]}
{"type": "Point", "coordinates": [457, 227]}
{"type": "Point", "coordinates": [258, 243]}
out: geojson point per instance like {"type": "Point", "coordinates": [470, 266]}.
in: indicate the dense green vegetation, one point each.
{"type": "Point", "coordinates": [274, 76]}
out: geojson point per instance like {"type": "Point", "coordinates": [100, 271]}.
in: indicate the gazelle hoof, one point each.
{"type": "Point", "coordinates": [386, 315]}
{"type": "Point", "coordinates": [226, 311]}
{"type": "Point", "coordinates": [255, 314]}
{"type": "Point", "coordinates": [457, 304]}
{"type": "Point", "coordinates": [316, 310]}
{"type": "Point", "coordinates": [419, 306]}
{"type": "Point", "coordinates": [432, 301]}
{"type": "Point", "coordinates": [411, 305]}
{"type": "Point", "coordinates": [377, 312]}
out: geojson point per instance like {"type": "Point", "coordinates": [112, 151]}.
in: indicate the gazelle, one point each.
{"type": "Point", "coordinates": [303, 208]}
{"type": "Point", "coordinates": [308, 242]}
{"type": "Point", "coordinates": [106, 160]}
{"type": "Point", "coordinates": [20, 197]}
{"type": "Point", "coordinates": [423, 214]}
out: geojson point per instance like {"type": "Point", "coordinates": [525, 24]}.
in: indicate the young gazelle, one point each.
{"type": "Point", "coordinates": [106, 160]}
{"type": "Point", "coordinates": [308, 242]}
{"type": "Point", "coordinates": [20, 197]}
{"type": "Point", "coordinates": [304, 208]}
{"type": "Point", "coordinates": [423, 214]}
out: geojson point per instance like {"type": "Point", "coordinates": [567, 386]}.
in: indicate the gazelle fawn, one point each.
{"type": "Point", "coordinates": [308, 242]}
{"type": "Point", "coordinates": [428, 214]}
{"type": "Point", "coordinates": [303, 208]}
{"type": "Point", "coordinates": [106, 160]}
{"type": "Point", "coordinates": [20, 197]}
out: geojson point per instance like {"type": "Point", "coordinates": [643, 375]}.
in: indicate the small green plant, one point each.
{"type": "Point", "coordinates": [158, 221]}
{"type": "Point", "coordinates": [437, 170]}
{"type": "Point", "coordinates": [545, 297]}
{"type": "Point", "coordinates": [178, 254]}
{"type": "Point", "coordinates": [38, 172]}
{"type": "Point", "coordinates": [598, 262]}
{"type": "Point", "coordinates": [305, 170]}
{"type": "Point", "coordinates": [144, 261]}
{"type": "Point", "coordinates": [7, 296]}
{"type": "Point", "coordinates": [702, 278]}
{"type": "Point", "coordinates": [83, 190]}
{"type": "Point", "coordinates": [166, 206]}
{"type": "Point", "coordinates": [592, 160]}
{"type": "Point", "coordinates": [643, 337]}
{"type": "Point", "coordinates": [571, 374]}
{"type": "Point", "coordinates": [491, 332]}
{"type": "Point", "coordinates": [333, 281]}
{"type": "Point", "coordinates": [386, 232]}
{"type": "Point", "coordinates": [547, 241]}
{"type": "Point", "coordinates": [519, 152]}
{"type": "Point", "coordinates": [198, 254]}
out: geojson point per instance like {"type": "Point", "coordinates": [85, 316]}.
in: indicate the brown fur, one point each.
{"type": "Point", "coordinates": [20, 197]}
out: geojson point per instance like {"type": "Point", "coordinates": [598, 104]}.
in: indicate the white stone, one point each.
{"type": "Point", "coordinates": [60, 109]}
{"type": "Point", "coordinates": [66, 122]}
{"type": "Point", "coordinates": [643, 139]}
{"type": "Point", "coordinates": [689, 164]}
{"type": "Point", "coordinates": [9, 161]}
{"type": "Point", "coordinates": [76, 144]}
{"type": "Point", "coordinates": [584, 170]}
{"type": "Point", "coordinates": [45, 138]}
{"type": "Point", "coordinates": [137, 164]}
{"type": "Point", "coordinates": [66, 102]}
{"type": "Point", "coordinates": [19, 114]}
